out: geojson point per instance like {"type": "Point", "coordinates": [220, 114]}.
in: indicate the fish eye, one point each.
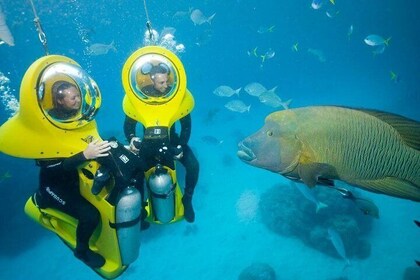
{"type": "Point", "coordinates": [269, 133]}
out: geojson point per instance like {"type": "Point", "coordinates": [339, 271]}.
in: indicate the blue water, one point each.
{"type": "Point", "coordinates": [228, 235]}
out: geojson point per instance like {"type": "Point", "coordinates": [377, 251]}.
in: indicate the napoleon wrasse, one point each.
{"type": "Point", "coordinates": [373, 150]}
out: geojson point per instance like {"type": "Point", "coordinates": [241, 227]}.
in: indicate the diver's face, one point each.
{"type": "Point", "coordinates": [71, 100]}
{"type": "Point", "coordinates": [160, 82]}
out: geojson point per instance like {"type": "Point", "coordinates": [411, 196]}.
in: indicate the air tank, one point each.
{"type": "Point", "coordinates": [127, 216]}
{"type": "Point", "coordinates": [162, 195]}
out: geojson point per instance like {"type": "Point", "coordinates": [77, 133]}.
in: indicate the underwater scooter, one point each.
{"type": "Point", "coordinates": [157, 113]}
{"type": "Point", "coordinates": [117, 238]}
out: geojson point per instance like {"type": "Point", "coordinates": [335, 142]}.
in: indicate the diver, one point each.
{"type": "Point", "coordinates": [66, 100]}
{"type": "Point", "coordinates": [159, 75]}
{"type": "Point", "coordinates": [59, 178]}
{"type": "Point", "coordinates": [178, 143]}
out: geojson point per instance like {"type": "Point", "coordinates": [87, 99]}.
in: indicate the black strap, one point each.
{"type": "Point", "coordinates": [163, 195]}
{"type": "Point", "coordinates": [125, 224]}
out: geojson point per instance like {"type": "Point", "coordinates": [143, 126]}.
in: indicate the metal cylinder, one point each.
{"type": "Point", "coordinates": [127, 216]}
{"type": "Point", "coordinates": [162, 195]}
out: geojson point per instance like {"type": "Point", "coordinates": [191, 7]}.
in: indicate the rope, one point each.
{"type": "Point", "coordinates": [148, 23]}
{"type": "Point", "coordinates": [41, 34]}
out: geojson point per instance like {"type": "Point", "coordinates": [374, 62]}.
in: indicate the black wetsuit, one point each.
{"type": "Point", "coordinates": [59, 188]}
{"type": "Point", "coordinates": [150, 149]}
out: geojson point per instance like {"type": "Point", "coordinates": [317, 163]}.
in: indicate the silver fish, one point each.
{"type": "Point", "coordinates": [5, 34]}
{"type": "Point", "coordinates": [318, 54]}
{"type": "Point", "coordinates": [198, 18]}
{"type": "Point", "coordinates": [376, 40]}
{"type": "Point", "coordinates": [226, 91]}
{"type": "Point", "coordinates": [100, 49]}
{"type": "Point", "coordinates": [273, 100]}
{"type": "Point", "coordinates": [309, 195]}
{"type": "Point", "coordinates": [237, 106]}
{"type": "Point", "coordinates": [338, 244]}
{"type": "Point", "coordinates": [256, 89]}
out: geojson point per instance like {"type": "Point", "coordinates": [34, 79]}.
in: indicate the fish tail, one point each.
{"type": "Point", "coordinates": [211, 18]}
{"type": "Point", "coordinates": [386, 42]}
{"type": "Point", "coordinates": [286, 104]}
{"type": "Point", "coordinates": [254, 51]}
{"type": "Point", "coordinates": [320, 206]}
{"type": "Point", "coordinates": [237, 91]}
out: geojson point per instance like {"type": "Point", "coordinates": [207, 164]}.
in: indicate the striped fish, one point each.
{"type": "Point", "coordinates": [376, 151]}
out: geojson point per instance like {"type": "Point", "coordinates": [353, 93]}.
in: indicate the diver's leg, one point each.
{"type": "Point", "coordinates": [88, 217]}
{"type": "Point", "coordinates": [191, 165]}
{"type": "Point", "coordinates": [72, 203]}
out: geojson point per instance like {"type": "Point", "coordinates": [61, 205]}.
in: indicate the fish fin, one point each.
{"type": "Point", "coordinates": [326, 182]}
{"type": "Point", "coordinates": [408, 129]}
{"type": "Point", "coordinates": [391, 186]}
{"type": "Point", "coordinates": [417, 223]}
{"type": "Point", "coordinates": [310, 172]}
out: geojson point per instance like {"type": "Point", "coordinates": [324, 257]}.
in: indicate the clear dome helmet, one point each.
{"type": "Point", "coordinates": [55, 84]}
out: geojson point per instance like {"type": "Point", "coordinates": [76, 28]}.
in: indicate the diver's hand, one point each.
{"type": "Point", "coordinates": [97, 149]}
{"type": "Point", "coordinates": [177, 152]}
{"type": "Point", "coordinates": [135, 143]}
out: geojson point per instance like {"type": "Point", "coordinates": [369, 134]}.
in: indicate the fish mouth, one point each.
{"type": "Point", "coordinates": [245, 153]}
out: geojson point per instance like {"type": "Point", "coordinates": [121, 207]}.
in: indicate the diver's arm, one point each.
{"type": "Point", "coordinates": [74, 161]}
{"type": "Point", "coordinates": [94, 150]}
{"type": "Point", "coordinates": [185, 134]}
{"type": "Point", "coordinates": [129, 128]}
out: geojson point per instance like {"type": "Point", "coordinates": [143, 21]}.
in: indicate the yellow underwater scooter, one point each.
{"type": "Point", "coordinates": [117, 238]}
{"type": "Point", "coordinates": [158, 114]}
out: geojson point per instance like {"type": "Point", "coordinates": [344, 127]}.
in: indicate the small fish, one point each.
{"type": "Point", "coordinates": [237, 106]}
{"type": "Point", "coordinates": [331, 13]}
{"type": "Point", "coordinates": [5, 34]}
{"type": "Point", "coordinates": [268, 54]}
{"type": "Point", "coordinates": [253, 52]}
{"type": "Point", "coordinates": [198, 18]}
{"type": "Point", "coordinates": [309, 195]}
{"type": "Point", "coordinates": [226, 91]}
{"type": "Point", "coordinates": [376, 40]}
{"type": "Point", "coordinates": [101, 49]}
{"type": "Point", "coordinates": [256, 89]}
{"type": "Point", "coordinates": [273, 100]}
{"type": "Point", "coordinates": [394, 77]}
{"type": "Point", "coordinates": [264, 29]}
{"type": "Point", "coordinates": [338, 244]}
{"type": "Point", "coordinates": [295, 47]}
{"type": "Point", "coordinates": [5, 175]}
{"type": "Point", "coordinates": [365, 205]}
{"type": "Point", "coordinates": [350, 31]}
{"type": "Point", "coordinates": [318, 54]}
{"type": "Point", "coordinates": [211, 140]}
{"type": "Point", "coordinates": [316, 4]}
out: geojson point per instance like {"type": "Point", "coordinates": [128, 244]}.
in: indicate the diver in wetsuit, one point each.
{"type": "Point", "coordinates": [59, 178]}
{"type": "Point", "coordinates": [59, 188]}
{"type": "Point", "coordinates": [176, 147]}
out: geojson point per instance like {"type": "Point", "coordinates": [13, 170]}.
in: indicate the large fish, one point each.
{"type": "Point", "coordinates": [376, 151]}
{"type": "Point", "coordinates": [5, 34]}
